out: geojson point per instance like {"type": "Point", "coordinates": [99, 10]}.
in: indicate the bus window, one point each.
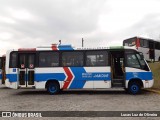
{"type": "Point", "coordinates": [22, 61]}
{"type": "Point", "coordinates": [145, 44]}
{"type": "Point", "coordinates": [157, 45]}
{"type": "Point", "coordinates": [13, 60]}
{"type": "Point", "coordinates": [141, 43]}
{"type": "Point", "coordinates": [31, 61]}
{"type": "Point", "coordinates": [132, 42]}
{"type": "Point", "coordinates": [96, 58]}
{"type": "Point", "coordinates": [125, 43]}
{"type": "Point", "coordinates": [72, 59]}
{"type": "Point", "coordinates": [48, 59]}
{"type": "Point", "coordinates": [132, 61]}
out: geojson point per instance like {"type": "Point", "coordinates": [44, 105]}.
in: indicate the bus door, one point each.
{"type": "Point", "coordinates": [3, 72]}
{"type": "Point", "coordinates": [117, 69]}
{"type": "Point", "coordinates": [26, 69]}
{"type": "Point", "coordinates": [151, 50]}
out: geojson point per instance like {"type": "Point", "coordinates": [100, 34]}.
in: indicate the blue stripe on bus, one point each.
{"type": "Point", "coordinates": [48, 76]}
{"type": "Point", "coordinates": [78, 81]}
{"type": "Point", "coordinates": [65, 47]}
{"type": "Point", "coordinates": [140, 75]}
{"type": "Point", "coordinates": [12, 77]}
{"type": "Point", "coordinates": [0, 77]}
{"type": "Point", "coordinates": [81, 76]}
{"type": "Point", "coordinates": [39, 77]}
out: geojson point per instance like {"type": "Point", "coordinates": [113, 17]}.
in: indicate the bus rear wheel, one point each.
{"type": "Point", "coordinates": [134, 88]}
{"type": "Point", "coordinates": [53, 88]}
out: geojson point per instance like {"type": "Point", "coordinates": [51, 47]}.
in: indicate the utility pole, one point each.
{"type": "Point", "coordinates": [82, 42]}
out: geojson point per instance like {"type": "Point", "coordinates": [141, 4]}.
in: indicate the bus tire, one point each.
{"type": "Point", "coordinates": [134, 88]}
{"type": "Point", "coordinates": [53, 87]}
{"type": "Point", "coordinates": [159, 59]}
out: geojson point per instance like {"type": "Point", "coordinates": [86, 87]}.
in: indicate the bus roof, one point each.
{"type": "Point", "coordinates": [69, 47]}
{"type": "Point", "coordinates": [142, 38]}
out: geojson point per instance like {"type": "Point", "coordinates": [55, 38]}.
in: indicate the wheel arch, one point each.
{"type": "Point", "coordinates": [137, 80]}
{"type": "Point", "coordinates": [52, 80]}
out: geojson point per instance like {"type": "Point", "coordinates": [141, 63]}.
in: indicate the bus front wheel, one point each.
{"type": "Point", "coordinates": [134, 88]}
{"type": "Point", "coordinates": [53, 88]}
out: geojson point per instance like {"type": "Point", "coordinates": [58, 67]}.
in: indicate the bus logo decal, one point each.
{"type": "Point", "coordinates": [22, 65]}
{"type": "Point", "coordinates": [101, 75]}
{"type": "Point", "coordinates": [14, 69]}
{"type": "Point", "coordinates": [31, 66]}
{"type": "Point", "coordinates": [69, 77]}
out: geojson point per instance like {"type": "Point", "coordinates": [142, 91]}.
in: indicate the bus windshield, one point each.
{"type": "Point", "coordinates": [141, 60]}
{"type": "Point", "coordinates": [136, 60]}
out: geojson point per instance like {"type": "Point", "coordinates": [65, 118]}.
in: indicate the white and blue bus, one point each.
{"type": "Point", "coordinates": [60, 67]}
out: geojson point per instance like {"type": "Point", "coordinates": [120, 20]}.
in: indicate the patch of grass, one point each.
{"type": "Point", "coordinates": [155, 68]}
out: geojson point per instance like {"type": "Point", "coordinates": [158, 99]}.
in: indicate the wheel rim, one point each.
{"type": "Point", "coordinates": [134, 88]}
{"type": "Point", "coordinates": [52, 88]}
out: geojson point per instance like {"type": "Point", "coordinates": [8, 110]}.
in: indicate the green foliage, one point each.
{"type": "Point", "coordinates": [155, 67]}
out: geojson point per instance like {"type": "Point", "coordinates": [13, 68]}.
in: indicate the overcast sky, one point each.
{"type": "Point", "coordinates": [32, 23]}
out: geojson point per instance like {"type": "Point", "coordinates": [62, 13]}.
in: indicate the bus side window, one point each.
{"type": "Point", "coordinates": [13, 60]}
{"type": "Point", "coordinates": [141, 43]}
{"type": "Point", "coordinates": [89, 62]}
{"type": "Point", "coordinates": [72, 58]}
{"type": "Point", "coordinates": [97, 58]}
{"type": "Point", "coordinates": [48, 59]}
